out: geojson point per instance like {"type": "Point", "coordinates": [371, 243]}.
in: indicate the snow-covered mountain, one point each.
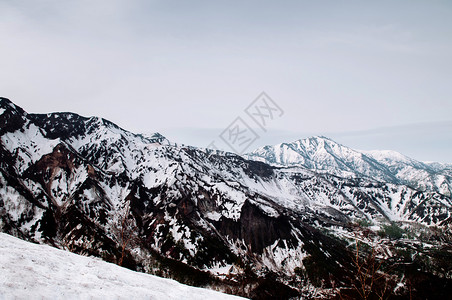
{"type": "Point", "coordinates": [31, 271]}
{"type": "Point", "coordinates": [203, 217]}
{"type": "Point", "coordinates": [325, 155]}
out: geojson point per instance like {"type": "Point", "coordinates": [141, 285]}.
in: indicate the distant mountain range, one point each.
{"type": "Point", "coordinates": [278, 222]}
{"type": "Point", "coordinates": [322, 154]}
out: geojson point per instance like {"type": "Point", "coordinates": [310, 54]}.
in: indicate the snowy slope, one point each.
{"type": "Point", "coordinates": [424, 176]}
{"type": "Point", "coordinates": [40, 271]}
{"type": "Point", "coordinates": [322, 154]}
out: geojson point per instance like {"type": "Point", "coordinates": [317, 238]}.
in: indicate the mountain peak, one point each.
{"type": "Point", "coordinates": [320, 153]}
{"type": "Point", "coordinates": [315, 142]}
{"type": "Point", "coordinates": [4, 101]}
{"type": "Point", "coordinates": [314, 138]}
{"type": "Point", "coordinates": [7, 104]}
{"type": "Point", "coordinates": [319, 137]}
{"type": "Point", "coordinates": [155, 137]}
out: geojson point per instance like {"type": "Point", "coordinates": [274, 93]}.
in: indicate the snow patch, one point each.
{"type": "Point", "coordinates": [40, 271]}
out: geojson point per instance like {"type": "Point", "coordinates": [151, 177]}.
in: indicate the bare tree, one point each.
{"type": "Point", "coordinates": [124, 230]}
{"type": "Point", "coordinates": [371, 280]}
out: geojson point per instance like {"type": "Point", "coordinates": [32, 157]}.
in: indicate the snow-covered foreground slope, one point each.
{"type": "Point", "coordinates": [41, 272]}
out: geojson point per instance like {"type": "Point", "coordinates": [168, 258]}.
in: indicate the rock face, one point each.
{"type": "Point", "coordinates": [270, 228]}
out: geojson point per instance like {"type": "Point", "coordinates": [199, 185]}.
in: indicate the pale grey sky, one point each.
{"type": "Point", "coordinates": [345, 69]}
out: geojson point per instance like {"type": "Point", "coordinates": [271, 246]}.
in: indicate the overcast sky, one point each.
{"type": "Point", "coordinates": [369, 74]}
